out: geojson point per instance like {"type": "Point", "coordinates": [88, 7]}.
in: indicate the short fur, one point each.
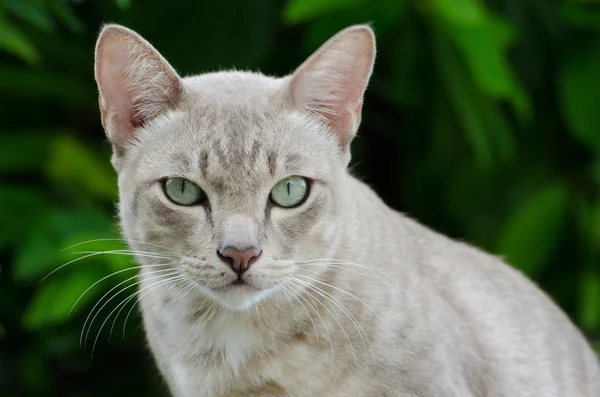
{"type": "Point", "coordinates": [349, 297]}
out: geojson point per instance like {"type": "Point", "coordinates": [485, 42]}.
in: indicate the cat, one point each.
{"type": "Point", "coordinates": [274, 272]}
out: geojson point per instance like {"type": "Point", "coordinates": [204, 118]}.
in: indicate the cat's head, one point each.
{"type": "Point", "coordinates": [235, 176]}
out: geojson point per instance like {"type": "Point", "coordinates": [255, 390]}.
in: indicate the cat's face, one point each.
{"type": "Point", "coordinates": [235, 176]}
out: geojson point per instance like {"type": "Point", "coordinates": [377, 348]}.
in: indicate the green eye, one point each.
{"type": "Point", "coordinates": [182, 191]}
{"type": "Point", "coordinates": [290, 192]}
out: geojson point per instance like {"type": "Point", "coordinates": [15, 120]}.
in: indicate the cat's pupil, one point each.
{"type": "Point", "coordinates": [288, 187]}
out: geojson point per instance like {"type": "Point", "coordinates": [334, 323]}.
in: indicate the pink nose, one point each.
{"type": "Point", "coordinates": [239, 260]}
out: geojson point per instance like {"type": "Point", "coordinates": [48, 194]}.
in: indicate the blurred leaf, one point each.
{"type": "Point", "coordinates": [579, 89]}
{"type": "Point", "coordinates": [123, 4]}
{"type": "Point", "coordinates": [54, 299]}
{"type": "Point", "coordinates": [34, 371]}
{"type": "Point", "coordinates": [486, 127]}
{"type": "Point", "coordinates": [23, 151]}
{"type": "Point", "coordinates": [403, 86]}
{"type": "Point", "coordinates": [14, 41]}
{"type": "Point", "coordinates": [43, 85]}
{"type": "Point", "coordinates": [485, 48]}
{"type": "Point", "coordinates": [32, 12]}
{"type": "Point", "coordinates": [76, 168]}
{"type": "Point", "coordinates": [581, 17]}
{"type": "Point", "coordinates": [246, 31]}
{"type": "Point", "coordinates": [94, 242]}
{"type": "Point", "coordinates": [589, 226]}
{"type": "Point", "coordinates": [41, 252]}
{"type": "Point", "coordinates": [63, 12]}
{"type": "Point", "coordinates": [30, 204]}
{"type": "Point", "coordinates": [589, 300]}
{"type": "Point", "coordinates": [296, 11]}
{"type": "Point", "coordinates": [464, 98]}
{"type": "Point", "coordinates": [461, 12]}
{"type": "Point", "coordinates": [530, 235]}
{"type": "Point", "coordinates": [384, 15]}
{"type": "Point", "coordinates": [594, 231]}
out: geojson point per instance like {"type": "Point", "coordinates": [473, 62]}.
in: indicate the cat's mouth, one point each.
{"type": "Point", "coordinates": [237, 295]}
{"type": "Point", "coordinates": [238, 285]}
{"type": "Point", "coordinates": [235, 290]}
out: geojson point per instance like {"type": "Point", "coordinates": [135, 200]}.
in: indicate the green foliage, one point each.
{"type": "Point", "coordinates": [530, 235]}
{"type": "Point", "coordinates": [483, 113]}
{"type": "Point", "coordinates": [580, 94]}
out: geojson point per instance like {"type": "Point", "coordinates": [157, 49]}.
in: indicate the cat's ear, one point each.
{"type": "Point", "coordinates": [331, 82]}
{"type": "Point", "coordinates": [135, 82]}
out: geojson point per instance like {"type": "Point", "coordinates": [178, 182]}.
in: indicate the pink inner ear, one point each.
{"type": "Point", "coordinates": [136, 83]}
{"type": "Point", "coordinates": [332, 81]}
{"type": "Point", "coordinates": [112, 74]}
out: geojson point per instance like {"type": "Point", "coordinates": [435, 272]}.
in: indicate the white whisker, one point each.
{"type": "Point", "coordinates": [111, 298]}
{"type": "Point", "coordinates": [161, 282]}
{"type": "Point", "coordinates": [189, 288]}
{"type": "Point", "coordinates": [345, 310]}
{"type": "Point", "coordinates": [114, 239]}
{"type": "Point", "coordinates": [146, 254]}
{"type": "Point", "coordinates": [287, 295]}
{"type": "Point", "coordinates": [318, 314]}
{"type": "Point", "coordinates": [339, 262]}
{"type": "Point", "coordinates": [335, 317]}
{"type": "Point", "coordinates": [258, 315]}
{"type": "Point", "coordinates": [348, 293]}
{"type": "Point", "coordinates": [104, 278]}
{"type": "Point", "coordinates": [90, 254]}
{"type": "Point", "coordinates": [344, 267]}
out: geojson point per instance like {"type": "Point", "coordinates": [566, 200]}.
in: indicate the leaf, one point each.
{"type": "Point", "coordinates": [54, 299]}
{"type": "Point", "coordinates": [589, 300]}
{"type": "Point", "coordinates": [579, 89]}
{"type": "Point", "coordinates": [14, 41]}
{"type": "Point", "coordinates": [461, 12]}
{"type": "Point", "coordinates": [481, 120]}
{"type": "Point", "coordinates": [531, 234]}
{"type": "Point", "coordinates": [41, 251]}
{"type": "Point", "coordinates": [64, 13]}
{"type": "Point", "coordinates": [296, 11]}
{"type": "Point", "coordinates": [384, 14]}
{"type": "Point", "coordinates": [30, 204]}
{"type": "Point", "coordinates": [483, 40]}
{"type": "Point", "coordinates": [241, 33]}
{"type": "Point", "coordinates": [94, 242]}
{"type": "Point", "coordinates": [123, 4]}
{"type": "Point", "coordinates": [578, 16]}
{"type": "Point", "coordinates": [42, 84]}
{"type": "Point", "coordinates": [403, 87]}
{"type": "Point", "coordinates": [76, 168]}
{"type": "Point", "coordinates": [485, 48]}
{"type": "Point", "coordinates": [34, 370]}
{"type": "Point", "coordinates": [595, 228]}
{"type": "Point", "coordinates": [32, 12]}
{"type": "Point", "coordinates": [24, 151]}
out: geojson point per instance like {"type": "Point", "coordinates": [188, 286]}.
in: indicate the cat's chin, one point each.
{"type": "Point", "coordinates": [236, 296]}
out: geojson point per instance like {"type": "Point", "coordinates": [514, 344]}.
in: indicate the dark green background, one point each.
{"type": "Point", "coordinates": [482, 120]}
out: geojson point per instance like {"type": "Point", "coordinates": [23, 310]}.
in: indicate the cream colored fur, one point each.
{"type": "Point", "coordinates": [349, 297]}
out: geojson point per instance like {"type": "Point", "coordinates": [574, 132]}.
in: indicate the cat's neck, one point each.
{"type": "Point", "coordinates": [371, 231]}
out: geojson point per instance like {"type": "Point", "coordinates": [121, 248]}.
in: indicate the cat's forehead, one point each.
{"type": "Point", "coordinates": [232, 110]}
{"type": "Point", "coordinates": [228, 138]}
{"type": "Point", "coordinates": [242, 88]}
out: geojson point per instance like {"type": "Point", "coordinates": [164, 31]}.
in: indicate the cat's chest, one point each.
{"type": "Point", "coordinates": [231, 355]}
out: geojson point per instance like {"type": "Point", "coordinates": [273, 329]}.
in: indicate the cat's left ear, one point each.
{"type": "Point", "coordinates": [331, 83]}
{"type": "Point", "coordinates": [135, 82]}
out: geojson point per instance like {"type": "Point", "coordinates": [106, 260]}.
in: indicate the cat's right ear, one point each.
{"type": "Point", "coordinates": [331, 83]}
{"type": "Point", "coordinates": [135, 82]}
